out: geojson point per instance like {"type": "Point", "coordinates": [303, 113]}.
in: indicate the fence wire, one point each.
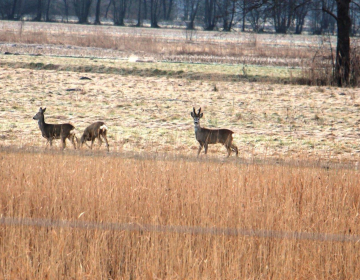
{"type": "Point", "coordinates": [47, 223]}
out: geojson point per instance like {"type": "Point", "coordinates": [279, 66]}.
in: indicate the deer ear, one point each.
{"type": "Point", "coordinates": [43, 110]}
{"type": "Point", "coordinates": [201, 115]}
{"type": "Point", "coordinates": [192, 114]}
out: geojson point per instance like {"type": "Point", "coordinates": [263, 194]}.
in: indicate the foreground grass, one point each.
{"type": "Point", "coordinates": [61, 186]}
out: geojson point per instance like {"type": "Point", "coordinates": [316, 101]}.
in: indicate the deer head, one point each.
{"type": "Point", "coordinates": [39, 114]}
{"type": "Point", "coordinates": [197, 116]}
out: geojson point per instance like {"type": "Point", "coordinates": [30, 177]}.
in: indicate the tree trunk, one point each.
{"type": "Point", "coordinates": [191, 16]}
{"type": "Point", "coordinates": [47, 17]}
{"type": "Point", "coordinates": [13, 10]}
{"type": "Point", "coordinates": [107, 9]}
{"type": "Point", "coordinates": [243, 15]}
{"type": "Point", "coordinates": [97, 12]}
{"type": "Point", "coordinates": [139, 15]}
{"type": "Point", "coordinates": [342, 66]}
{"type": "Point", "coordinates": [210, 12]}
{"type": "Point", "coordinates": [153, 13]}
{"type": "Point", "coordinates": [120, 7]}
{"type": "Point", "coordinates": [145, 10]}
{"type": "Point", "coordinates": [66, 10]}
{"type": "Point", "coordinates": [39, 11]}
{"type": "Point", "coordinates": [82, 9]}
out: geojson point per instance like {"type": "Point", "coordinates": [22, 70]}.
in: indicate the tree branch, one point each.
{"type": "Point", "coordinates": [356, 4]}
{"type": "Point", "coordinates": [302, 4]}
{"type": "Point", "coordinates": [330, 13]}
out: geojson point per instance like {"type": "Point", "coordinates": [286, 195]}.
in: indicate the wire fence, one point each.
{"type": "Point", "coordinates": [47, 223]}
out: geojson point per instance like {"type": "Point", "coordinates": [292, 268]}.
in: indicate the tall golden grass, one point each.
{"type": "Point", "coordinates": [178, 192]}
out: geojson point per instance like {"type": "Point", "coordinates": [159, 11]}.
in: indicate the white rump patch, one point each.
{"type": "Point", "coordinates": [103, 127]}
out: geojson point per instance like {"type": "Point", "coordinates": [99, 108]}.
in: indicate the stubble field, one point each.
{"type": "Point", "coordinates": [288, 207]}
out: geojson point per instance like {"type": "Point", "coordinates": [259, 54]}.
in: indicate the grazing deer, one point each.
{"type": "Point", "coordinates": [93, 131]}
{"type": "Point", "coordinates": [207, 136]}
{"type": "Point", "coordinates": [55, 131]}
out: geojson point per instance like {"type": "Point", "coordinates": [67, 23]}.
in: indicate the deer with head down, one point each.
{"type": "Point", "coordinates": [94, 131]}
{"type": "Point", "coordinates": [206, 136]}
{"type": "Point", "coordinates": [55, 131]}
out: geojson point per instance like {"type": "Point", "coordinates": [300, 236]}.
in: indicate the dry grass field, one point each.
{"type": "Point", "coordinates": [287, 208]}
{"type": "Point", "coordinates": [187, 194]}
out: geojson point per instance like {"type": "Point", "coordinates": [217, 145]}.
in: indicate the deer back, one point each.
{"type": "Point", "coordinates": [57, 131]}
{"type": "Point", "coordinates": [92, 131]}
{"type": "Point", "coordinates": [213, 136]}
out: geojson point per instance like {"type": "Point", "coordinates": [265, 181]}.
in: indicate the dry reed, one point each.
{"type": "Point", "coordinates": [163, 43]}
{"type": "Point", "coordinates": [107, 189]}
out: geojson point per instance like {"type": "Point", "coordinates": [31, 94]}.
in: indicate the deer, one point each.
{"type": "Point", "coordinates": [55, 131]}
{"type": "Point", "coordinates": [94, 131]}
{"type": "Point", "coordinates": [206, 136]}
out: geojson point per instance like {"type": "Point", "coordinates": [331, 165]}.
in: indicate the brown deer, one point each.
{"type": "Point", "coordinates": [94, 131]}
{"type": "Point", "coordinates": [207, 136]}
{"type": "Point", "coordinates": [55, 131]}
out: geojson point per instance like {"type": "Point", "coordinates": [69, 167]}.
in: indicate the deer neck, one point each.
{"type": "Point", "coordinates": [197, 128]}
{"type": "Point", "coordinates": [42, 124]}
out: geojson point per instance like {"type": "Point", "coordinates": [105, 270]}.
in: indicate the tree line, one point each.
{"type": "Point", "coordinates": [279, 16]}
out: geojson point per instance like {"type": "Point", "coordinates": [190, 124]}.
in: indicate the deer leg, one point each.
{"type": "Point", "coordinates": [63, 141]}
{"type": "Point", "coordinates": [235, 149]}
{"type": "Point", "coordinates": [100, 141]}
{"type": "Point", "coordinates": [200, 147]}
{"type": "Point", "coordinates": [228, 150]}
{"type": "Point", "coordinates": [72, 137]}
{"type": "Point", "coordinates": [106, 141]}
{"type": "Point", "coordinates": [206, 148]}
{"type": "Point", "coordinates": [76, 141]}
{"type": "Point", "coordinates": [92, 143]}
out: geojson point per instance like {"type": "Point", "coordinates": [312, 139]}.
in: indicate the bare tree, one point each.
{"type": "Point", "coordinates": [97, 12]}
{"type": "Point", "coordinates": [342, 64]}
{"type": "Point", "coordinates": [167, 6]}
{"type": "Point", "coordinates": [210, 14]}
{"type": "Point", "coordinates": [227, 9]}
{"type": "Point", "coordinates": [355, 18]}
{"type": "Point", "coordinates": [191, 8]}
{"type": "Point", "coordinates": [154, 13]}
{"type": "Point", "coordinates": [82, 9]}
{"type": "Point", "coordinates": [38, 11]}
{"type": "Point", "coordinates": [119, 8]}
{"type": "Point", "coordinates": [258, 10]}
{"type": "Point", "coordinates": [66, 6]}
{"type": "Point", "coordinates": [10, 9]}
{"type": "Point", "coordinates": [301, 11]}
{"type": "Point", "coordinates": [257, 17]}
{"type": "Point", "coordinates": [282, 13]}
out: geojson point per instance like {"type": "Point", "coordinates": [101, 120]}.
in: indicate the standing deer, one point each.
{"type": "Point", "coordinates": [207, 136]}
{"type": "Point", "coordinates": [55, 131]}
{"type": "Point", "coordinates": [93, 131]}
